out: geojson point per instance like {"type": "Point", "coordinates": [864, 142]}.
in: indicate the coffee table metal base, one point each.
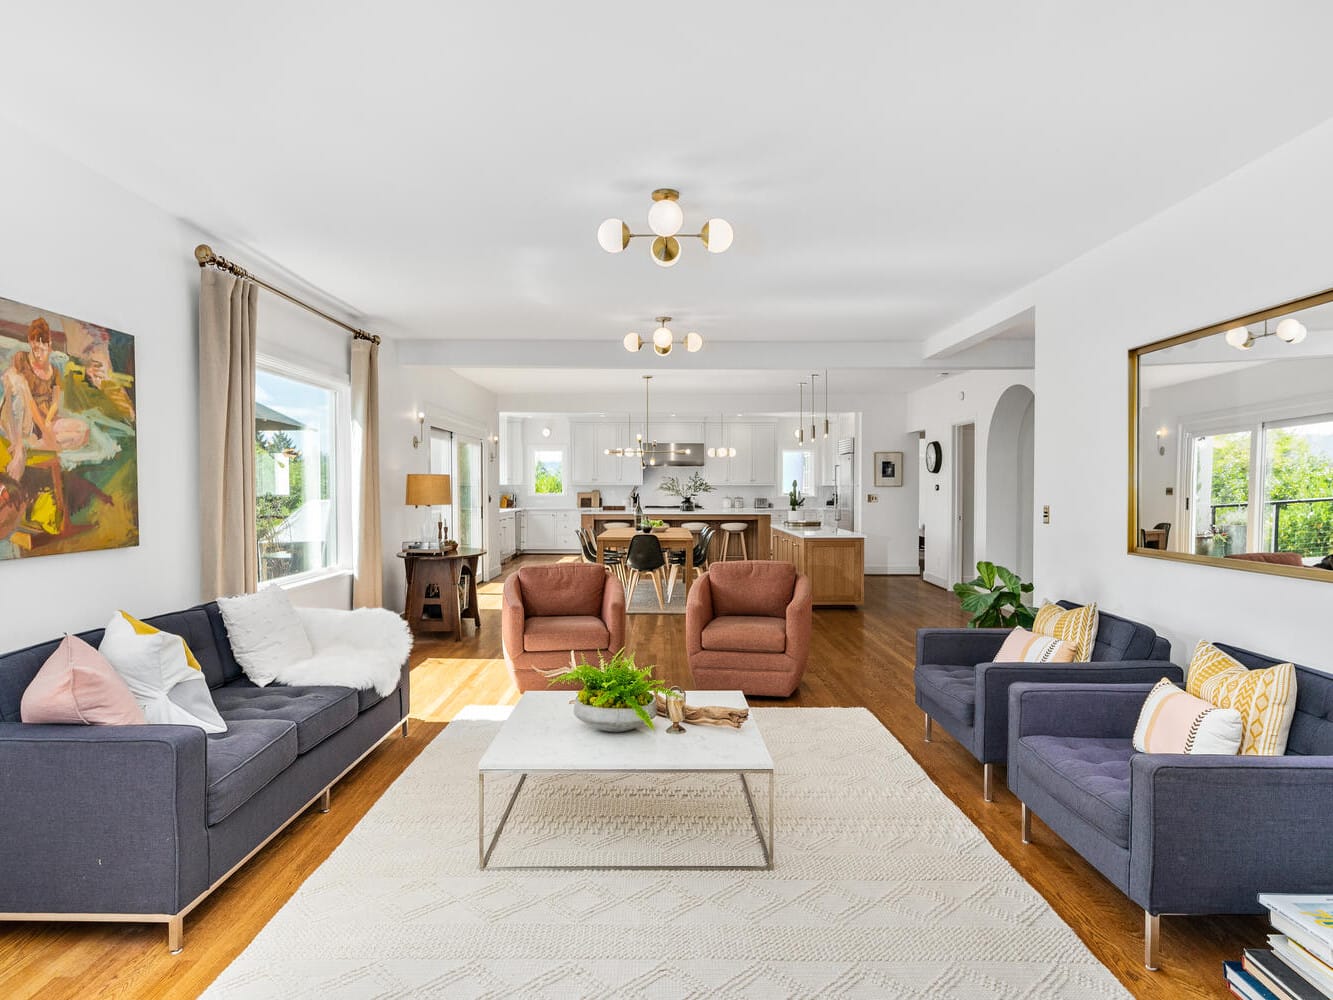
{"type": "Point", "coordinates": [485, 850]}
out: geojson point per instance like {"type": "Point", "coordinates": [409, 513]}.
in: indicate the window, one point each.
{"type": "Point", "coordinates": [1222, 492]}
{"type": "Point", "coordinates": [799, 466]}
{"type": "Point", "coordinates": [298, 432]}
{"type": "Point", "coordinates": [1298, 487]}
{"type": "Point", "coordinates": [548, 471]}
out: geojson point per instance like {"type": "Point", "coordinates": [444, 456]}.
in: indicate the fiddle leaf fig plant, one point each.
{"type": "Point", "coordinates": [995, 598]}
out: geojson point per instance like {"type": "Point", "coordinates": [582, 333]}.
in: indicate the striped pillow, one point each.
{"type": "Point", "coordinates": [1265, 699]}
{"type": "Point", "coordinates": [1022, 646]}
{"type": "Point", "coordinates": [1078, 627]}
{"type": "Point", "coordinates": [1173, 721]}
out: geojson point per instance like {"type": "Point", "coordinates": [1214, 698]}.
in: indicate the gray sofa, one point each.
{"type": "Point", "coordinates": [140, 823]}
{"type": "Point", "coordinates": [958, 687]}
{"type": "Point", "coordinates": [1177, 834]}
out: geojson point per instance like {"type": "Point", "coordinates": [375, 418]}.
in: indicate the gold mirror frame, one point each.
{"type": "Point", "coordinates": [1132, 535]}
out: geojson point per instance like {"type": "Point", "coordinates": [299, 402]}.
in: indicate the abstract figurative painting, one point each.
{"type": "Point", "coordinates": [69, 476]}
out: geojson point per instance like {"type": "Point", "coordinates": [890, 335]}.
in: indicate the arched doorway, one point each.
{"type": "Point", "coordinates": [1009, 476]}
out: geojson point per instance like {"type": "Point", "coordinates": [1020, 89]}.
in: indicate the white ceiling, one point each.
{"type": "Point", "coordinates": [888, 168]}
{"type": "Point", "coordinates": [669, 382]}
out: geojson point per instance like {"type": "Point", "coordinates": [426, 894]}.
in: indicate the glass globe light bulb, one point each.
{"type": "Point", "coordinates": [613, 235]}
{"type": "Point", "coordinates": [666, 251]}
{"type": "Point", "coordinates": [662, 337]}
{"type": "Point", "coordinates": [633, 342]}
{"type": "Point", "coordinates": [665, 217]}
{"type": "Point", "coordinates": [1291, 330]}
{"type": "Point", "coordinates": [693, 342]}
{"type": "Point", "coordinates": [1239, 338]}
{"type": "Point", "coordinates": [717, 235]}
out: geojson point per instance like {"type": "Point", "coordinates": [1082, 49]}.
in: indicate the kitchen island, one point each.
{"type": "Point", "coordinates": [832, 558]}
{"type": "Point", "coordinates": [757, 533]}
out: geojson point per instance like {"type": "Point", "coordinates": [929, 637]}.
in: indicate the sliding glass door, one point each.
{"type": "Point", "coordinates": [469, 496]}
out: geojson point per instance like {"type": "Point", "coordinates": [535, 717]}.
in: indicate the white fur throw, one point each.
{"type": "Point", "coordinates": [359, 649]}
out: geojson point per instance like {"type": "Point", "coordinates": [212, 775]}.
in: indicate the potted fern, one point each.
{"type": "Point", "coordinates": [995, 598]}
{"type": "Point", "coordinates": [616, 695]}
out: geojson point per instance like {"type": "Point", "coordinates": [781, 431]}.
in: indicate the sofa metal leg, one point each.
{"type": "Point", "coordinates": [176, 935]}
{"type": "Point", "coordinates": [1026, 824]}
{"type": "Point", "coordinates": [324, 800]}
{"type": "Point", "coordinates": [988, 782]}
{"type": "Point", "coordinates": [404, 729]}
{"type": "Point", "coordinates": [1152, 933]}
{"type": "Point", "coordinates": [928, 734]}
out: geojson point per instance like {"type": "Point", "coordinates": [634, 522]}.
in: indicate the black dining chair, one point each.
{"type": "Point", "coordinates": [614, 562]}
{"type": "Point", "coordinates": [676, 558]}
{"type": "Point", "coordinates": [645, 556]}
{"type": "Point", "coordinates": [1165, 528]}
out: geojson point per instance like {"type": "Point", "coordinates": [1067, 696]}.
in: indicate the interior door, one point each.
{"type": "Point", "coordinates": [964, 501]}
{"type": "Point", "coordinates": [469, 493]}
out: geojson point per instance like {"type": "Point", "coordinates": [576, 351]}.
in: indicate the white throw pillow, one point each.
{"type": "Point", "coordinates": [265, 632]}
{"type": "Point", "coordinates": [1173, 721]}
{"type": "Point", "coordinates": [155, 668]}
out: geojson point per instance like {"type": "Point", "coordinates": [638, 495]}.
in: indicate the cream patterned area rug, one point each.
{"type": "Point", "coordinates": [882, 888]}
{"type": "Point", "coordinates": [645, 599]}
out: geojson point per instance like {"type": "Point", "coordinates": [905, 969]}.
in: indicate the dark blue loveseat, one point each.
{"type": "Point", "coordinates": [140, 823]}
{"type": "Point", "coordinates": [1177, 834]}
{"type": "Point", "coordinates": [958, 687]}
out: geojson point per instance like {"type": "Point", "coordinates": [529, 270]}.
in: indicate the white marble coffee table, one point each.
{"type": "Point", "coordinates": [541, 735]}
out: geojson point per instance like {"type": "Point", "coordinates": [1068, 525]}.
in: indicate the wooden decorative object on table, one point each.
{"type": "Point", "coordinates": [707, 715]}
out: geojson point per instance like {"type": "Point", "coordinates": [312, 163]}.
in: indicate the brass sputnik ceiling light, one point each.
{"type": "Point", "coordinates": [665, 219]}
{"type": "Point", "coordinates": [664, 339]}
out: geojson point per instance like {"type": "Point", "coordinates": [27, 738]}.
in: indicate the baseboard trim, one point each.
{"type": "Point", "coordinates": [937, 581]}
{"type": "Point", "coordinates": [898, 569]}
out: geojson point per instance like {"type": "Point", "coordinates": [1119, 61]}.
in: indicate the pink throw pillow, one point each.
{"type": "Point", "coordinates": [1022, 646]}
{"type": "Point", "coordinates": [77, 686]}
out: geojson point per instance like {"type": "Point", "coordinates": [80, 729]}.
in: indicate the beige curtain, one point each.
{"type": "Point", "coordinates": [228, 560]}
{"type": "Point", "coordinates": [368, 585]}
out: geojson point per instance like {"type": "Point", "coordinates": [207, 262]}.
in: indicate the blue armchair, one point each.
{"type": "Point", "coordinates": [1177, 834]}
{"type": "Point", "coordinates": [958, 687]}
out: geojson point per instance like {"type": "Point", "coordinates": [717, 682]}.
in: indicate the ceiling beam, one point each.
{"type": "Point", "coordinates": [730, 355]}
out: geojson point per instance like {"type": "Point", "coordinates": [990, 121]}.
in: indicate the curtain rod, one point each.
{"type": "Point", "coordinates": [204, 254]}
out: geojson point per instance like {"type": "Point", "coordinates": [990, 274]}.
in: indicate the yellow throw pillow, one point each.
{"type": "Point", "coordinates": [143, 628]}
{"type": "Point", "coordinates": [1077, 627]}
{"type": "Point", "coordinates": [1266, 699]}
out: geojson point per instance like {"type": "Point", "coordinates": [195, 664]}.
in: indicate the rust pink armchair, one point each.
{"type": "Point", "coordinates": [747, 627]}
{"type": "Point", "coordinates": [550, 610]}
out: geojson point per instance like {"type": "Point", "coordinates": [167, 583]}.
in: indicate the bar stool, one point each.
{"type": "Point", "coordinates": [729, 529]}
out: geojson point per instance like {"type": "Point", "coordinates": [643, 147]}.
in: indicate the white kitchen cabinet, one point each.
{"type": "Point", "coordinates": [549, 531]}
{"type": "Point", "coordinates": [591, 465]}
{"type": "Point", "coordinates": [756, 461]}
{"type": "Point", "coordinates": [511, 453]}
{"type": "Point", "coordinates": [521, 531]}
{"type": "Point", "coordinates": [508, 534]}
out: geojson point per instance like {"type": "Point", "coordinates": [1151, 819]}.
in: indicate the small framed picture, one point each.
{"type": "Point", "coordinates": [888, 468]}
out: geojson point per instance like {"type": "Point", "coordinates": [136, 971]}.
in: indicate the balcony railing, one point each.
{"type": "Point", "coordinates": [1275, 532]}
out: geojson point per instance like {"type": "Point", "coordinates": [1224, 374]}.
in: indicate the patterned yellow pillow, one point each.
{"type": "Point", "coordinates": [1077, 627]}
{"type": "Point", "coordinates": [1266, 699]}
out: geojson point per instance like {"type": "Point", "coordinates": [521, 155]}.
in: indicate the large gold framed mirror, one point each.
{"type": "Point", "coordinates": [1231, 443]}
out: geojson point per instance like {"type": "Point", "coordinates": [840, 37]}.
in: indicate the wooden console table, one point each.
{"type": "Point", "coordinates": [444, 570]}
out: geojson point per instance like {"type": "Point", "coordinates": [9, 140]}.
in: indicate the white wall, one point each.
{"type": "Point", "coordinates": [451, 402]}
{"type": "Point", "coordinates": [77, 244]}
{"type": "Point", "coordinates": [1255, 239]}
{"type": "Point", "coordinates": [968, 398]}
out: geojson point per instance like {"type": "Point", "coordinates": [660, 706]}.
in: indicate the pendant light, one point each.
{"type": "Point", "coordinates": [813, 434]}
{"type": "Point", "coordinates": [826, 427]}
{"type": "Point", "coordinates": [645, 449]}
{"type": "Point", "coordinates": [721, 451]}
{"type": "Point", "coordinates": [800, 418]}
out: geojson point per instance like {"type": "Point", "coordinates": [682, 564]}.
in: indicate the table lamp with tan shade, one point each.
{"type": "Point", "coordinates": [431, 490]}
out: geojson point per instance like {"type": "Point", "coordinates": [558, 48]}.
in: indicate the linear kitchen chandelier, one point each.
{"type": "Point", "coordinates": [665, 219]}
{"type": "Point", "coordinates": [664, 339]}
{"type": "Point", "coordinates": [645, 449]}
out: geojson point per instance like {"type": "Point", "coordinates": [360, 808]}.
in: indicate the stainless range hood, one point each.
{"type": "Point", "coordinates": [660, 454]}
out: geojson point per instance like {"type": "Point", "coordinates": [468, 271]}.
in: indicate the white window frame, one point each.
{"type": "Point", "coordinates": [530, 474]}
{"type": "Point", "coordinates": [342, 454]}
{"type": "Point", "coordinates": [1256, 419]}
{"type": "Point", "coordinates": [809, 487]}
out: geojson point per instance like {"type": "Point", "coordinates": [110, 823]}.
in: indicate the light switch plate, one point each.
{"type": "Point", "coordinates": [1046, 514]}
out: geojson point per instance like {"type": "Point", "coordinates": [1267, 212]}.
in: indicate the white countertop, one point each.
{"type": "Point", "coordinates": [815, 532]}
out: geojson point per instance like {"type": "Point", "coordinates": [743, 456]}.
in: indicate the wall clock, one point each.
{"type": "Point", "coordinates": [934, 457]}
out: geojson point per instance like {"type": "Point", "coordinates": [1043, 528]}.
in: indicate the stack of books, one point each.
{"type": "Point", "coordinates": [1298, 963]}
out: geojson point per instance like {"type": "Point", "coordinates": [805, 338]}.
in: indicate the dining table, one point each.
{"type": "Point", "coordinates": [669, 537]}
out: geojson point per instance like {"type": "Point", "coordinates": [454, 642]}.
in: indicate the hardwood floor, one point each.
{"type": "Point", "coordinates": [858, 657]}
